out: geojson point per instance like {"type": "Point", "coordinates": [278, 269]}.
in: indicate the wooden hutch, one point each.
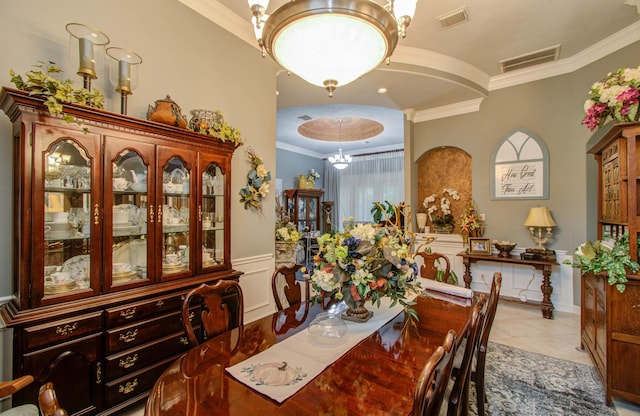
{"type": "Point", "coordinates": [115, 220]}
{"type": "Point", "coordinates": [610, 320]}
{"type": "Point", "coordinates": [303, 208]}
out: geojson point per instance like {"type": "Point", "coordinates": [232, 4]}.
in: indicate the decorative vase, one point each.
{"type": "Point", "coordinates": [285, 252]}
{"type": "Point", "coordinates": [465, 239]}
{"type": "Point", "coordinates": [359, 313]}
{"type": "Point", "coordinates": [203, 120]}
{"type": "Point", "coordinates": [421, 221]}
{"type": "Point", "coordinates": [304, 183]}
{"type": "Point", "coordinates": [167, 112]}
{"type": "Point", "coordinates": [443, 229]}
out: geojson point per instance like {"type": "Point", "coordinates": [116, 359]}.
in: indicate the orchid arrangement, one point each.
{"type": "Point", "coordinates": [366, 262]}
{"type": "Point", "coordinates": [610, 256]}
{"type": "Point", "coordinates": [257, 182]}
{"type": "Point", "coordinates": [613, 98]}
{"type": "Point", "coordinates": [433, 203]}
{"type": "Point", "coordinates": [313, 176]}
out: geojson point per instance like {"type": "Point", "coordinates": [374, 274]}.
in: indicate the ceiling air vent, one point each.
{"type": "Point", "coordinates": [304, 117]}
{"type": "Point", "coordinates": [453, 18]}
{"type": "Point", "coordinates": [534, 58]}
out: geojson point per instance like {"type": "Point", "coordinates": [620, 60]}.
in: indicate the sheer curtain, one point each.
{"type": "Point", "coordinates": [378, 177]}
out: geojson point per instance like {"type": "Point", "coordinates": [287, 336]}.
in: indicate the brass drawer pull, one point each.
{"type": "Point", "coordinates": [151, 214]}
{"type": "Point", "coordinates": [159, 211]}
{"type": "Point", "coordinates": [128, 314]}
{"type": "Point", "coordinates": [129, 387]}
{"type": "Point", "coordinates": [67, 329]}
{"type": "Point", "coordinates": [129, 361]}
{"type": "Point", "coordinates": [98, 373]}
{"type": "Point", "coordinates": [129, 336]}
{"type": "Point", "coordinates": [184, 341]}
{"type": "Point", "coordinates": [159, 304]}
{"type": "Point", "coordinates": [96, 214]}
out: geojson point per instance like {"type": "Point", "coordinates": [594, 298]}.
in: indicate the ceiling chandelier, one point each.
{"type": "Point", "coordinates": [340, 161]}
{"type": "Point", "coordinates": [330, 43]}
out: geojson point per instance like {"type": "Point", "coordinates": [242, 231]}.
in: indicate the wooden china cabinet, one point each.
{"type": "Point", "coordinates": [114, 221]}
{"type": "Point", "coordinates": [303, 208]}
{"type": "Point", "coordinates": [610, 320]}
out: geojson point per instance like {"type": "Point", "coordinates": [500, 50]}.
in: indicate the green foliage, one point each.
{"type": "Point", "coordinates": [380, 210]}
{"type": "Point", "coordinates": [614, 259]}
{"type": "Point", "coordinates": [56, 92]}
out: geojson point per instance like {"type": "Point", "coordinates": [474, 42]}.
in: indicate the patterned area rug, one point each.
{"type": "Point", "coordinates": [524, 383]}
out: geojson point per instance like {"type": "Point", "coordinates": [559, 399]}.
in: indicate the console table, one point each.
{"type": "Point", "coordinates": [543, 265]}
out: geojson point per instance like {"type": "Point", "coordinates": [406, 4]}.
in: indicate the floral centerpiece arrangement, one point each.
{"type": "Point", "coordinates": [613, 98]}
{"type": "Point", "coordinates": [441, 219]}
{"type": "Point", "coordinates": [364, 263]}
{"type": "Point", "coordinates": [610, 256]}
{"type": "Point", "coordinates": [257, 182]}
{"type": "Point", "coordinates": [470, 222]}
{"type": "Point", "coordinates": [286, 233]}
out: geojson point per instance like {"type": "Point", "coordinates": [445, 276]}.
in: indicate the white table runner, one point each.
{"type": "Point", "coordinates": [280, 371]}
{"type": "Point", "coordinates": [304, 359]}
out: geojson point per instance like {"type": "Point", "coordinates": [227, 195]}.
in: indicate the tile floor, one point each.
{"type": "Point", "coordinates": [522, 326]}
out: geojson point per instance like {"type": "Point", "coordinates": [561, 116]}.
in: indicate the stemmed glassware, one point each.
{"type": "Point", "coordinates": [77, 218]}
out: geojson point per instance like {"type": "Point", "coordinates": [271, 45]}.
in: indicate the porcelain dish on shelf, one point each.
{"type": "Point", "coordinates": [51, 288]}
{"type": "Point", "coordinates": [78, 266]}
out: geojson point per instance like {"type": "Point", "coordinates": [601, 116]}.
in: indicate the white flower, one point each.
{"type": "Point", "coordinates": [631, 74]}
{"type": "Point", "coordinates": [364, 232]}
{"type": "Point", "coordinates": [610, 95]}
{"type": "Point", "coordinates": [325, 280]}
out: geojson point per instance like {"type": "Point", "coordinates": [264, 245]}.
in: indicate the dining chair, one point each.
{"type": "Point", "coordinates": [8, 388]}
{"type": "Point", "coordinates": [48, 401]}
{"type": "Point", "coordinates": [432, 382]}
{"type": "Point", "coordinates": [483, 341]}
{"type": "Point", "coordinates": [459, 395]}
{"type": "Point", "coordinates": [286, 287]}
{"type": "Point", "coordinates": [222, 308]}
{"type": "Point", "coordinates": [429, 269]}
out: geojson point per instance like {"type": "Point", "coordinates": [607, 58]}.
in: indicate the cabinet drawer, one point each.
{"type": "Point", "coordinates": [63, 330]}
{"type": "Point", "coordinates": [129, 336]}
{"type": "Point", "coordinates": [125, 314]}
{"type": "Point", "coordinates": [134, 359]}
{"type": "Point", "coordinates": [127, 387]}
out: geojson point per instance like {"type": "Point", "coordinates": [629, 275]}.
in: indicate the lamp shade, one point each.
{"type": "Point", "coordinates": [539, 217]}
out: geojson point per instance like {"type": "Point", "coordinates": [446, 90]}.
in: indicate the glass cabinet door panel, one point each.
{"type": "Point", "coordinates": [129, 218]}
{"type": "Point", "coordinates": [212, 212]}
{"type": "Point", "coordinates": [175, 213]}
{"type": "Point", "coordinates": [67, 221]}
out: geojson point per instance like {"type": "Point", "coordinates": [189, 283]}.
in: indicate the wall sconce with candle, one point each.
{"type": "Point", "coordinates": [87, 37]}
{"type": "Point", "coordinates": [124, 73]}
{"type": "Point", "coordinates": [540, 217]}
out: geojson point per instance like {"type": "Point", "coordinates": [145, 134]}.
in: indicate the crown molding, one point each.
{"type": "Point", "coordinates": [450, 110]}
{"type": "Point", "coordinates": [300, 150]}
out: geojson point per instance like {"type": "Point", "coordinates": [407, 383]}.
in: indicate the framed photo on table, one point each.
{"type": "Point", "coordinates": [479, 245]}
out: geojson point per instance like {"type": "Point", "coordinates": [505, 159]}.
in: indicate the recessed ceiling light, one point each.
{"type": "Point", "coordinates": [382, 90]}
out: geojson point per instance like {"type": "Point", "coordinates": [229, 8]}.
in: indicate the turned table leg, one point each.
{"type": "Point", "coordinates": [467, 273]}
{"type": "Point", "coordinates": [546, 305]}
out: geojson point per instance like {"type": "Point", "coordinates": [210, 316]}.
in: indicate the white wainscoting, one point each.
{"type": "Point", "coordinates": [256, 285]}
{"type": "Point", "coordinates": [519, 282]}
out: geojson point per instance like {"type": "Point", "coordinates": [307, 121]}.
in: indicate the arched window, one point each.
{"type": "Point", "coordinates": [520, 167]}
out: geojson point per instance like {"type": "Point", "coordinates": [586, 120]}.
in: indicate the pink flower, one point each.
{"type": "Point", "coordinates": [629, 96]}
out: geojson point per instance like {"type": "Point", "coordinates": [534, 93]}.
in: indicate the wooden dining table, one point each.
{"type": "Point", "coordinates": [376, 377]}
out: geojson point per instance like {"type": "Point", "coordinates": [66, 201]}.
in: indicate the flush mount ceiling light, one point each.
{"type": "Point", "coordinates": [330, 43]}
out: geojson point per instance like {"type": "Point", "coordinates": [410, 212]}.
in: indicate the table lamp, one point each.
{"type": "Point", "coordinates": [540, 217]}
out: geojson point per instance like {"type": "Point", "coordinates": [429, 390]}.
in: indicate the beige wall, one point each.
{"type": "Point", "coordinates": [199, 64]}
{"type": "Point", "coordinates": [552, 109]}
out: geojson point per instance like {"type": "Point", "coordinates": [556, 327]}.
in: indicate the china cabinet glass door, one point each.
{"type": "Point", "coordinates": [128, 192]}
{"type": "Point", "coordinates": [212, 214]}
{"type": "Point", "coordinates": [175, 213]}
{"type": "Point", "coordinates": [66, 189]}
